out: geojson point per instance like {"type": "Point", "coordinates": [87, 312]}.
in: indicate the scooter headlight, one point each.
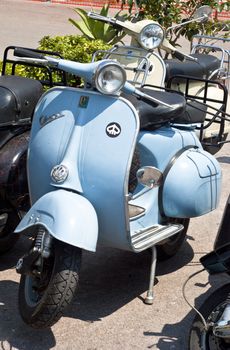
{"type": "Point", "coordinates": [110, 78]}
{"type": "Point", "coordinates": [151, 36]}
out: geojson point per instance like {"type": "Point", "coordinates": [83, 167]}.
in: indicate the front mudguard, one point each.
{"type": "Point", "coordinates": [67, 216]}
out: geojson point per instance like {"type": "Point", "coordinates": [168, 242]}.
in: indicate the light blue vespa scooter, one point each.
{"type": "Point", "coordinates": [85, 146]}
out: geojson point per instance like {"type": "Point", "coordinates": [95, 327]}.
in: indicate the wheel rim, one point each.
{"type": "Point", "coordinates": [31, 295]}
{"type": "Point", "coordinates": [212, 342]}
{"type": "Point", "coordinates": [36, 285]}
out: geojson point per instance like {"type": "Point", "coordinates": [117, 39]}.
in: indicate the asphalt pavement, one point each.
{"type": "Point", "coordinates": [24, 23]}
{"type": "Point", "coordinates": [108, 311]}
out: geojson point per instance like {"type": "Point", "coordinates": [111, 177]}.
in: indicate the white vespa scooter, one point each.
{"type": "Point", "coordinates": [201, 77]}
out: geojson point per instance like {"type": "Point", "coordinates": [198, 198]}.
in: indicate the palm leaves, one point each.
{"type": "Point", "coordinates": [93, 30]}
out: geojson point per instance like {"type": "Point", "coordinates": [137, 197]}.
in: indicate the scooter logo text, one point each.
{"type": "Point", "coordinates": [48, 119]}
{"type": "Point", "coordinates": [113, 129]}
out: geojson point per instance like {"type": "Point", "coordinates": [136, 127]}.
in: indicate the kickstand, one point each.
{"type": "Point", "coordinates": [149, 298]}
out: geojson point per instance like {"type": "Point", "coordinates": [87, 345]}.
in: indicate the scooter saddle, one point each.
{"type": "Point", "coordinates": [18, 98]}
{"type": "Point", "coordinates": [202, 68]}
{"type": "Point", "coordinates": [153, 117]}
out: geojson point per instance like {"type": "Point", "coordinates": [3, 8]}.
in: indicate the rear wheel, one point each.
{"type": "Point", "coordinates": [211, 145]}
{"type": "Point", "coordinates": [174, 243]}
{"type": "Point", "coordinates": [211, 310]}
{"type": "Point", "coordinates": [9, 219]}
{"type": "Point", "coordinates": [133, 170]}
{"type": "Point", "coordinates": [44, 296]}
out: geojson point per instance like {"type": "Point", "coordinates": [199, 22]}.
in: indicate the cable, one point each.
{"type": "Point", "coordinates": [185, 298]}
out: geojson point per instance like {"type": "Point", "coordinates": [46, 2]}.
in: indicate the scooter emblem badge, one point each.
{"type": "Point", "coordinates": [59, 173]}
{"type": "Point", "coordinates": [113, 129]}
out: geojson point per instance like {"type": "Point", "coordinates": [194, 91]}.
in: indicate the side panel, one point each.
{"type": "Point", "coordinates": [192, 185]}
{"type": "Point", "coordinates": [158, 148]}
{"type": "Point", "coordinates": [67, 216]}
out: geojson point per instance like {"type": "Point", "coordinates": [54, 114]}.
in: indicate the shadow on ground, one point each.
{"type": "Point", "coordinates": [14, 334]}
{"type": "Point", "coordinates": [109, 279]}
{"type": "Point", "coordinates": [112, 278]}
{"type": "Point", "coordinates": [175, 336]}
{"type": "Point", "coordinates": [223, 159]}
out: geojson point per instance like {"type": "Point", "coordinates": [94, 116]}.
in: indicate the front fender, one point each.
{"type": "Point", "coordinates": [67, 216]}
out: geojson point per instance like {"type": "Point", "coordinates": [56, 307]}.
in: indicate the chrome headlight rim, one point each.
{"type": "Point", "coordinates": [102, 67]}
{"type": "Point", "coordinates": [160, 39]}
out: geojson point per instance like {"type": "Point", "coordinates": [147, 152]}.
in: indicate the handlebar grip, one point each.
{"type": "Point", "coordinates": [110, 20]}
{"type": "Point", "coordinates": [98, 17]}
{"type": "Point", "coordinates": [180, 56]}
{"type": "Point", "coordinates": [27, 53]}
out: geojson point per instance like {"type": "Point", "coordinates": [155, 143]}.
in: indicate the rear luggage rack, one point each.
{"type": "Point", "coordinates": [211, 44]}
{"type": "Point", "coordinates": [53, 76]}
{"type": "Point", "coordinates": [215, 115]}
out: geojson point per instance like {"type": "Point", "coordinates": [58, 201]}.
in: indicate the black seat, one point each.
{"type": "Point", "coordinates": [194, 113]}
{"type": "Point", "coordinates": [153, 117]}
{"type": "Point", "coordinates": [179, 112]}
{"type": "Point", "coordinates": [18, 98]}
{"type": "Point", "coordinates": [202, 68]}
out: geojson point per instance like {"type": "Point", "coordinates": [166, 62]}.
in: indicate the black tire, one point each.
{"type": "Point", "coordinates": [211, 310]}
{"type": "Point", "coordinates": [42, 300]}
{"type": "Point", "coordinates": [8, 221]}
{"type": "Point", "coordinates": [170, 248]}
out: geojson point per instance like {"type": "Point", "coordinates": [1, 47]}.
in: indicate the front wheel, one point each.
{"type": "Point", "coordinates": [172, 245]}
{"type": "Point", "coordinates": [45, 295]}
{"type": "Point", "coordinates": [211, 310]}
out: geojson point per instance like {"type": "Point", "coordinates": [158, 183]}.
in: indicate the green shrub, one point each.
{"type": "Point", "coordinates": [70, 47]}
{"type": "Point", "coordinates": [73, 47]}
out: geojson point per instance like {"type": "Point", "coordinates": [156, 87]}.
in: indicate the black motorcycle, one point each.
{"type": "Point", "coordinates": [211, 325]}
{"type": "Point", "coordinates": [18, 98]}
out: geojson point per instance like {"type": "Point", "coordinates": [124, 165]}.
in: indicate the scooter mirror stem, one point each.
{"type": "Point", "coordinates": [199, 19]}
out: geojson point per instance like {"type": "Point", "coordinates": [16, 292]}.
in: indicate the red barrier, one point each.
{"type": "Point", "coordinates": [86, 3]}
{"type": "Point", "coordinates": [225, 15]}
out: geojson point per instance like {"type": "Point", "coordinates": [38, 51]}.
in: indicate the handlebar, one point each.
{"type": "Point", "coordinates": [33, 57]}
{"type": "Point", "coordinates": [108, 20]}
{"type": "Point", "coordinates": [28, 53]}
{"type": "Point", "coordinates": [101, 18]}
{"type": "Point", "coordinates": [84, 70]}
